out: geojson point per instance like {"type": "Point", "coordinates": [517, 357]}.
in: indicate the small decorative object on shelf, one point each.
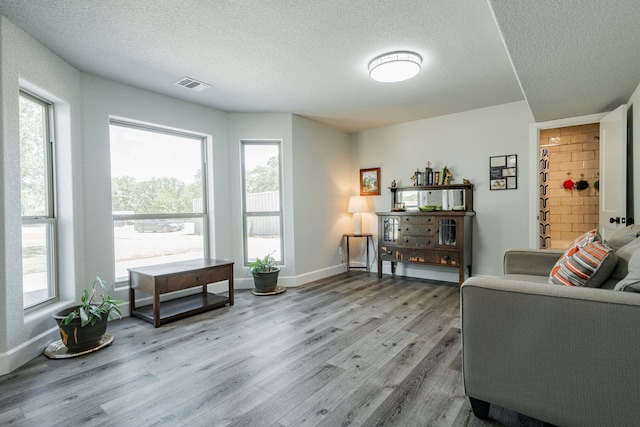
{"type": "Point", "coordinates": [428, 173]}
{"type": "Point", "coordinates": [393, 183]}
{"type": "Point", "coordinates": [418, 178]}
{"type": "Point", "coordinates": [429, 177]}
{"type": "Point", "coordinates": [447, 176]}
{"type": "Point", "coordinates": [398, 207]}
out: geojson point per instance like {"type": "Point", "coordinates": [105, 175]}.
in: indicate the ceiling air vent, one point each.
{"type": "Point", "coordinates": [192, 84]}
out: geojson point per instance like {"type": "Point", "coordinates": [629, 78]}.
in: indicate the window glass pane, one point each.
{"type": "Point", "coordinates": [33, 160]}
{"type": "Point", "coordinates": [156, 175]}
{"type": "Point", "coordinates": [155, 172]}
{"type": "Point", "coordinates": [263, 237]}
{"type": "Point", "coordinates": [262, 200]}
{"type": "Point", "coordinates": [36, 176]}
{"type": "Point", "coordinates": [35, 263]}
{"type": "Point", "coordinates": [156, 241]}
{"type": "Point", "coordinates": [262, 177]}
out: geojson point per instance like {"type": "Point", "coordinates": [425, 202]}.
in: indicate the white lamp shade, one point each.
{"type": "Point", "coordinates": [357, 204]}
{"type": "Point", "coordinates": [395, 67]}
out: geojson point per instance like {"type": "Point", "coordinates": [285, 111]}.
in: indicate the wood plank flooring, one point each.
{"type": "Point", "coordinates": [342, 351]}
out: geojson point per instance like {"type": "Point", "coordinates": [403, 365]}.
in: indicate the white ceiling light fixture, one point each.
{"type": "Point", "coordinates": [395, 66]}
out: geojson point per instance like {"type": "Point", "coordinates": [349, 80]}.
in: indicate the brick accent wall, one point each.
{"type": "Point", "coordinates": [574, 153]}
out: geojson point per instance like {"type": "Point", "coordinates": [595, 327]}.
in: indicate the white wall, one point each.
{"type": "Point", "coordinates": [321, 187]}
{"type": "Point", "coordinates": [463, 142]}
{"type": "Point", "coordinates": [27, 63]}
{"type": "Point", "coordinates": [315, 185]}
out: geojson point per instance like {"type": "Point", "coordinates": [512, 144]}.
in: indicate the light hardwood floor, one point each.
{"type": "Point", "coordinates": [342, 351]}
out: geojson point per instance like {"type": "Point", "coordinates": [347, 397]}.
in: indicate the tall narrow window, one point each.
{"type": "Point", "coordinates": [159, 198]}
{"type": "Point", "coordinates": [37, 201]}
{"type": "Point", "coordinates": [262, 207]}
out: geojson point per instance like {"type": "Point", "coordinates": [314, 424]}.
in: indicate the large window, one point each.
{"type": "Point", "coordinates": [262, 207]}
{"type": "Point", "coordinates": [37, 201]}
{"type": "Point", "coordinates": [159, 197]}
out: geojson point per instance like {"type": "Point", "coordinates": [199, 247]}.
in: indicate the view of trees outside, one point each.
{"type": "Point", "coordinates": [155, 173]}
{"type": "Point", "coordinates": [263, 177]}
{"type": "Point", "coordinates": [262, 200]}
{"type": "Point", "coordinates": [36, 228]}
{"type": "Point", "coordinates": [157, 195]}
{"type": "Point", "coordinates": [33, 184]}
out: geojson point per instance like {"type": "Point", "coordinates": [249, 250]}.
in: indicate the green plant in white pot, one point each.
{"type": "Point", "coordinates": [265, 273]}
{"type": "Point", "coordinates": [83, 326]}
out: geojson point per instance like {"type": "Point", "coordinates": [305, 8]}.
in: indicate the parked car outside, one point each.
{"type": "Point", "coordinates": [155, 225]}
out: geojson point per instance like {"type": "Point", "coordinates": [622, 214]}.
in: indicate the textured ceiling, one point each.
{"type": "Point", "coordinates": [309, 57]}
{"type": "Point", "coordinates": [572, 57]}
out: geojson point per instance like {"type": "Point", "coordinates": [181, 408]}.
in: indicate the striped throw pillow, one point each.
{"type": "Point", "coordinates": [588, 237]}
{"type": "Point", "coordinates": [587, 262]}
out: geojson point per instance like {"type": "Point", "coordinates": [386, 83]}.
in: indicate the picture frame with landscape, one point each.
{"type": "Point", "coordinates": [370, 182]}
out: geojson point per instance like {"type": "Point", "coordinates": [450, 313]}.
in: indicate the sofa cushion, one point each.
{"type": "Point", "coordinates": [623, 236]}
{"type": "Point", "coordinates": [588, 262]}
{"type": "Point", "coordinates": [526, 278]}
{"type": "Point", "coordinates": [631, 282]}
{"type": "Point", "coordinates": [624, 257]}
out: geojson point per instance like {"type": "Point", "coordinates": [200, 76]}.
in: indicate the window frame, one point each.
{"type": "Point", "coordinates": [245, 214]}
{"type": "Point", "coordinates": [49, 218]}
{"type": "Point", "coordinates": [204, 215]}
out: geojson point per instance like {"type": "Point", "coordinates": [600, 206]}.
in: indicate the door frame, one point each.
{"type": "Point", "coordinates": [534, 142]}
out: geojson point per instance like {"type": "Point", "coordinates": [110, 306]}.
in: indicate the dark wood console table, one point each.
{"type": "Point", "coordinates": [176, 276]}
{"type": "Point", "coordinates": [428, 225]}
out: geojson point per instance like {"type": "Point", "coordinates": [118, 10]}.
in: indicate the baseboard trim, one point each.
{"type": "Point", "coordinates": [18, 356]}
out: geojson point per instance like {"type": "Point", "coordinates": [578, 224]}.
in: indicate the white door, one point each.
{"type": "Point", "coordinates": [613, 171]}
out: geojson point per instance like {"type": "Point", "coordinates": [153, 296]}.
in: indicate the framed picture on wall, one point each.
{"type": "Point", "coordinates": [370, 182]}
{"type": "Point", "coordinates": [503, 171]}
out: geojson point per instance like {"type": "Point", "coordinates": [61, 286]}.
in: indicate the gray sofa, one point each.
{"type": "Point", "coordinates": [565, 355]}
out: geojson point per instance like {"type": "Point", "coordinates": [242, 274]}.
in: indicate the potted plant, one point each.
{"type": "Point", "coordinates": [265, 274]}
{"type": "Point", "coordinates": [83, 326]}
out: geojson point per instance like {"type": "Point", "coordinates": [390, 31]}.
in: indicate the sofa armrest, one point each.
{"type": "Point", "coordinates": [561, 354]}
{"type": "Point", "coordinates": [536, 262]}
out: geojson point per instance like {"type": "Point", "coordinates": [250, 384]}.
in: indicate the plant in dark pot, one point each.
{"type": "Point", "coordinates": [265, 274]}
{"type": "Point", "coordinates": [83, 326]}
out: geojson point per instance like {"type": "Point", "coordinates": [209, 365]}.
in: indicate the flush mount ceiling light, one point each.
{"type": "Point", "coordinates": [395, 66]}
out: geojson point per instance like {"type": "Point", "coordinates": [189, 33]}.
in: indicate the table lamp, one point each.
{"type": "Point", "coordinates": [357, 205]}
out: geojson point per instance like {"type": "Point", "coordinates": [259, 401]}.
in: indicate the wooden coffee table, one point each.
{"type": "Point", "coordinates": [162, 279]}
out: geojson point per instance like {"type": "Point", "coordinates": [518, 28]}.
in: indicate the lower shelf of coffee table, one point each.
{"type": "Point", "coordinates": [179, 308]}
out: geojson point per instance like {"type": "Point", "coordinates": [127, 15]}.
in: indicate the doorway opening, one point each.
{"type": "Point", "coordinates": [568, 171]}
